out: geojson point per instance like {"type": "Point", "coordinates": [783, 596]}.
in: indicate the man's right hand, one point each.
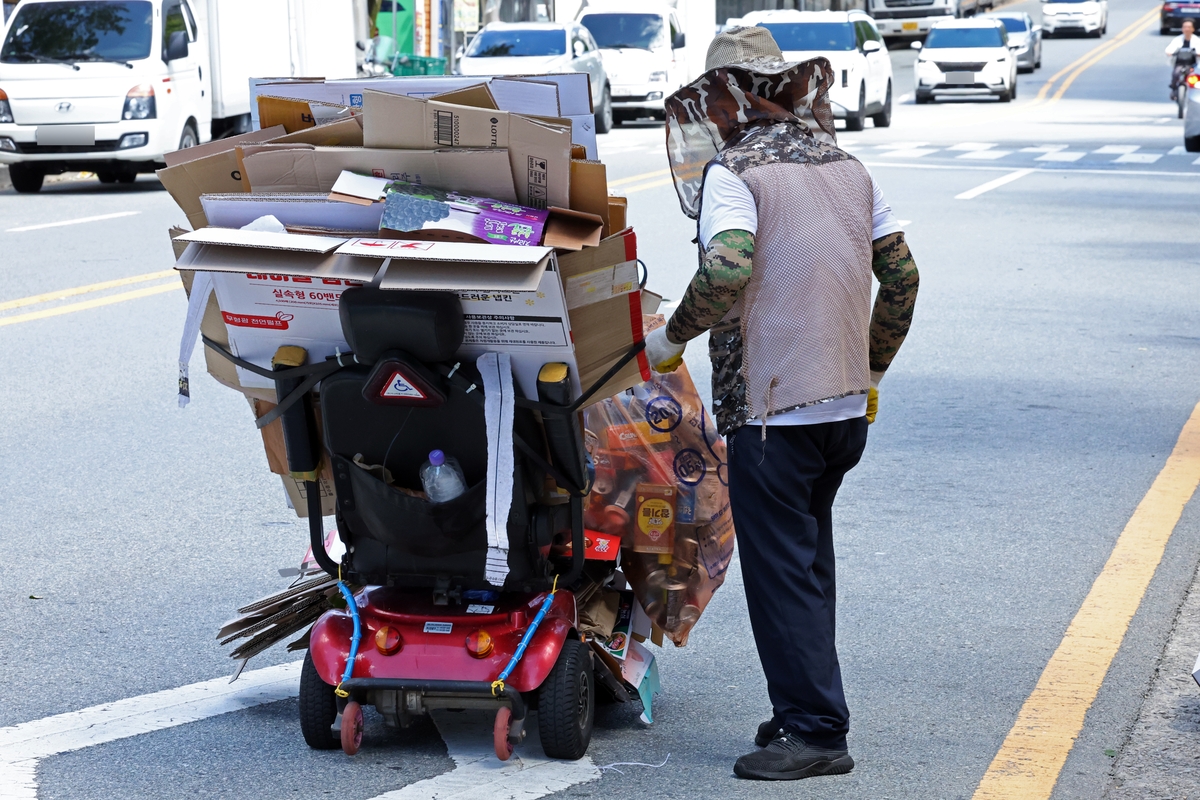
{"type": "Point", "coordinates": [663, 354]}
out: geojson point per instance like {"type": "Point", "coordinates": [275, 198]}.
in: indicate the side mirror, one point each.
{"type": "Point", "coordinates": [680, 41]}
{"type": "Point", "coordinates": [578, 49]}
{"type": "Point", "coordinates": [177, 46]}
{"type": "Point", "coordinates": [871, 46]}
{"type": "Point", "coordinates": [916, 45]}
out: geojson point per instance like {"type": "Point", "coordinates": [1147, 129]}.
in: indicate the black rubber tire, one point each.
{"type": "Point", "coordinates": [621, 116]}
{"type": "Point", "coordinates": [604, 114]}
{"type": "Point", "coordinates": [858, 120]}
{"type": "Point", "coordinates": [318, 708]}
{"type": "Point", "coordinates": [567, 703]}
{"type": "Point", "coordinates": [1012, 93]}
{"type": "Point", "coordinates": [106, 176]}
{"type": "Point", "coordinates": [884, 118]}
{"type": "Point", "coordinates": [188, 138]}
{"type": "Point", "coordinates": [922, 99]}
{"type": "Point", "coordinates": [1191, 144]}
{"type": "Point", "coordinates": [1164, 30]}
{"type": "Point", "coordinates": [127, 177]}
{"type": "Point", "coordinates": [26, 178]}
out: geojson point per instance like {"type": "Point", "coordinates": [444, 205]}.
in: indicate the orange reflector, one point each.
{"type": "Point", "coordinates": [388, 640]}
{"type": "Point", "coordinates": [479, 643]}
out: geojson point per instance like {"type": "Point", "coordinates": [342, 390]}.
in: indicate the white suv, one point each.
{"type": "Point", "coordinates": [862, 85]}
{"type": "Point", "coordinates": [965, 57]}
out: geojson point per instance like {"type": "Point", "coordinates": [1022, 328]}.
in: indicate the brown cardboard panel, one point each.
{"type": "Point", "coordinates": [618, 208]}
{"type": "Point", "coordinates": [539, 151]}
{"type": "Point", "coordinates": [296, 493]}
{"type": "Point", "coordinates": [604, 332]}
{"type": "Point", "coordinates": [213, 168]}
{"type": "Point", "coordinates": [477, 96]}
{"type": "Point", "coordinates": [589, 190]}
{"type": "Point", "coordinates": [572, 230]}
{"type": "Point", "coordinates": [221, 258]}
{"type": "Point", "coordinates": [480, 172]}
{"type": "Point", "coordinates": [298, 115]}
{"type": "Point", "coordinates": [578, 152]}
{"type": "Point", "coordinates": [612, 250]}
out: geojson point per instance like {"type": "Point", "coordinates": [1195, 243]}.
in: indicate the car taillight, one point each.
{"type": "Point", "coordinates": [139, 103]}
{"type": "Point", "coordinates": [5, 108]}
{"type": "Point", "coordinates": [479, 643]}
{"type": "Point", "coordinates": [1193, 80]}
{"type": "Point", "coordinates": [388, 640]}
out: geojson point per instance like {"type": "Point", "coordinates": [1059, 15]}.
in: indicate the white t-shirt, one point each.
{"type": "Point", "coordinates": [1175, 46]}
{"type": "Point", "coordinates": [728, 205]}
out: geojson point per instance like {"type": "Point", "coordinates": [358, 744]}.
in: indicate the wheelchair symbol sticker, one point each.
{"type": "Point", "coordinates": [664, 414]}
{"type": "Point", "coordinates": [399, 386]}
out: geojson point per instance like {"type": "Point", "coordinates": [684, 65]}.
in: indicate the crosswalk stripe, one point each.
{"type": "Point", "coordinates": [913, 152]}
{"type": "Point", "coordinates": [1138, 158]}
{"type": "Point", "coordinates": [1122, 149]}
{"type": "Point", "coordinates": [972, 146]}
{"type": "Point", "coordinates": [985, 155]}
{"type": "Point", "coordinates": [1062, 155]}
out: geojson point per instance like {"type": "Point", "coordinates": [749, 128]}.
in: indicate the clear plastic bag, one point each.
{"type": "Point", "coordinates": [662, 485]}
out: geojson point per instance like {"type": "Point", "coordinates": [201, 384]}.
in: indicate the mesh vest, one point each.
{"type": "Point", "coordinates": [797, 336]}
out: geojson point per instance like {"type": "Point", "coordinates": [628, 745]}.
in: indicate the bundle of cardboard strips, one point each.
{"type": "Point", "coordinates": [490, 188]}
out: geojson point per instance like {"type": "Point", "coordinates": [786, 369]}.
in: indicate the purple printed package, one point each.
{"type": "Point", "coordinates": [410, 207]}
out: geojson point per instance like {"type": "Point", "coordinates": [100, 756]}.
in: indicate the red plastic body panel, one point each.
{"type": "Point", "coordinates": [442, 656]}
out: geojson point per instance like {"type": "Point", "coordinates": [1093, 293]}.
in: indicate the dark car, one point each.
{"type": "Point", "coordinates": [1173, 14]}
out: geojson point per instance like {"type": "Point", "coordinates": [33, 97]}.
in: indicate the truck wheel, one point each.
{"type": "Point", "coordinates": [884, 118]}
{"type": "Point", "coordinates": [318, 708]}
{"type": "Point", "coordinates": [106, 176]}
{"type": "Point", "coordinates": [1191, 144]}
{"type": "Point", "coordinates": [604, 114]}
{"type": "Point", "coordinates": [26, 178]}
{"type": "Point", "coordinates": [857, 120]}
{"type": "Point", "coordinates": [188, 138]}
{"type": "Point", "coordinates": [567, 703]}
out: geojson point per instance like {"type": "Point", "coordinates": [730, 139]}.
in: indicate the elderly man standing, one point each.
{"type": "Point", "coordinates": [790, 230]}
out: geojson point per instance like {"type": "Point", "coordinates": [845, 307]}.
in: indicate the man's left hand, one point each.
{"type": "Point", "coordinates": [873, 396]}
{"type": "Point", "coordinates": [663, 354]}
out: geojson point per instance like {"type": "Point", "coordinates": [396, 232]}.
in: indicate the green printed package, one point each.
{"type": "Point", "coordinates": [410, 207]}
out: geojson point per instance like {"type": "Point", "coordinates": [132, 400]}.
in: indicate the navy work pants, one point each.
{"type": "Point", "coordinates": [782, 491]}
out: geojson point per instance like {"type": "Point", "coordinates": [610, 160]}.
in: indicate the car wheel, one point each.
{"type": "Point", "coordinates": [922, 99]}
{"type": "Point", "coordinates": [1191, 144]}
{"type": "Point", "coordinates": [884, 118]}
{"type": "Point", "coordinates": [106, 176]}
{"type": "Point", "coordinates": [188, 138]}
{"type": "Point", "coordinates": [604, 114]}
{"type": "Point", "coordinates": [1012, 92]}
{"type": "Point", "coordinates": [26, 178]}
{"type": "Point", "coordinates": [857, 120]}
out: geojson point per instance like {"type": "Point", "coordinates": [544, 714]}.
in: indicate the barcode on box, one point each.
{"type": "Point", "coordinates": [537, 181]}
{"type": "Point", "coordinates": [443, 127]}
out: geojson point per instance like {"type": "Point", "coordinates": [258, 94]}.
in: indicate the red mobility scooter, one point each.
{"type": "Point", "coordinates": [425, 630]}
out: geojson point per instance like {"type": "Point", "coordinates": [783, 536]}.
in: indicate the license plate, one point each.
{"type": "Point", "coordinates": [66, 135]}
{"type": "Point", "coordinates": [960, 77]}
{"type": "Point", "coordinates": [909, 26]}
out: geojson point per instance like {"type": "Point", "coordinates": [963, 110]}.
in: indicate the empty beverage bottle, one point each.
{"type": "Point", "coordinates": [442, 478]}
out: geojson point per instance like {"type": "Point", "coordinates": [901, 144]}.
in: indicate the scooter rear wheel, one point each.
{"type": "Point", "coordinates": [352, 727]}
{"type": "Point", "coordinates": [566, 703]}
{"type": "Point", "coordinates": [504, 748]}
{"type": "Point", "coordinates": [318, 708]}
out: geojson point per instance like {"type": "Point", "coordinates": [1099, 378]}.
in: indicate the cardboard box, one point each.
{"type": "Point", "coordinates": [299, 213]}
{"type": "Point", "coordinates": [409, 207]}
{"type": "Point", "coordinates": [307, 169]}
{"type": "Point", "coordinates": [539, 152]}
{"type": "Point", "coordinates": [589, 191]}
{"type": "Point", "coordinates": [297, 115]}
{"type": "Point", "coordinates": [618, 208]}
{"type": "Point", "coordinates": [573, 95]}
{"type": "Point", "coordinates": [213, 168]}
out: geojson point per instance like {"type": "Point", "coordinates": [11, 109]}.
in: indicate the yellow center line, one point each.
{"type": "Point", "coordinates": [1080, 64]}
{"type": "Point", "coordinates": [1032, 756]}
{"type": "Point", "coordinates": [94, 303]}
{"type": "Point", "coordinates": [1123, 38]}
{"type": "Point", "coordinates": [78, 290]}
{"type": "Point", "coordinates": [644, 176]}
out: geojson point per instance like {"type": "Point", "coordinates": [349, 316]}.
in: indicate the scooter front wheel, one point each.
{"type": "Point", "coordinates": [352, 727]}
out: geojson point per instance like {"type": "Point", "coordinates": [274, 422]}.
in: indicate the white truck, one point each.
{"type": "Point", "coordinates": [110, 86]}
{"type": "Point", "coordinates": [912, 18]}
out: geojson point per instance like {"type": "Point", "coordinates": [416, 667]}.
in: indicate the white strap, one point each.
{"type": "Point", "coordinates": [495, 370]}
{"type": "Point", "coordinates": [202, 286]}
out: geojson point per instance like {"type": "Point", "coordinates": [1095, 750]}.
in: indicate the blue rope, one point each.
{"type": "Point", "coordinates": [533, 626]}
{"type": "Point", "coordinates": [354, 640]}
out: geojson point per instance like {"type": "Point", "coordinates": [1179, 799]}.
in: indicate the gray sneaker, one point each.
{"type": "Point", "coordinates": [790, 758]}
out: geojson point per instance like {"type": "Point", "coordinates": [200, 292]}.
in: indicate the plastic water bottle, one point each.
{"type": "Point", "coordinates": [442, 478]}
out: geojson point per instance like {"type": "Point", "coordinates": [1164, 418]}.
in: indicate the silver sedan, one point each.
{"type": "Point", "coordinates": [1026, 34]}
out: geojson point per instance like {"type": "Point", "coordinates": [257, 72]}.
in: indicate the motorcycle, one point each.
{"type": "Point", "coordinates": [1184, 77]}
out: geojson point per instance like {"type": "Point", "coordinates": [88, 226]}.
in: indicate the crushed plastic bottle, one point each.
{"type": "Point", "coordinates": [442, 478]}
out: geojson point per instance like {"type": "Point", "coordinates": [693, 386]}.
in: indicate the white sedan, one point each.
{"type": "Point", "coordinates": [966, 57]}
{"type": "Point", "coordinates": [529, 48]}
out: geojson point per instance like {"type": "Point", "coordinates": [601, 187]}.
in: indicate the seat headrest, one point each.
{"type": "Point", "coordinates": [427, 325]}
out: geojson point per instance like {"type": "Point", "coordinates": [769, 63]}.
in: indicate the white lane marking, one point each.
{"type": "Point", "coordinates": [1051, 170]}
{"type": "Point", "coordinates": [985, 155]}
{"type": "Point", "coordinates": [901, 145]}
{"type": "Point", "coordinates": [971, 194]}
{"type": "Point", "coordinates": [79, 221]}
{"type": "Point", "coordinates": [1062, 155]}
{"type": "Point", "coordinates": [1177, 150]}
{"type": "Point", "coordinates": [1138, 158]}
{"type": "Point", "coordinates": [912, 152]}
{"type": "Point", "coordinates": [972, 146]}
{"type": "Point", "coordinates": [21, 746]}
{"type": "Point", "coordinates": [1197, 161]}
{"type": "Point", "coordinates": [1117, 149]}
{"type": "Point", "coordinates": [1044, 148]}
{"type": "Point", "coordinates": [479, 775]}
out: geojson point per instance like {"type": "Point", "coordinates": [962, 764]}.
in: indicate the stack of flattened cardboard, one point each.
{"type": "Point", "coordinates": [565, 290]}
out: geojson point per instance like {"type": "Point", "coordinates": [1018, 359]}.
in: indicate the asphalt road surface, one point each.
{"type": "Point", "coordinates": [1053, 363]}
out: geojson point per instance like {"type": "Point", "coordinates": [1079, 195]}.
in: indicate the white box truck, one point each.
{"type": "Point", "coordinates": [110, 86]}
{"type": "Point", "coordinates": [897, 19]}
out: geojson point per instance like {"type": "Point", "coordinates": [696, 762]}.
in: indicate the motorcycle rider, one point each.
{"type": "Point", "coordinates": [1183, 41]}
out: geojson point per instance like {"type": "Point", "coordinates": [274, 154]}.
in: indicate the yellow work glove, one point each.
{"type": "Point", "coordinates": [873, 396]}
{"type": "Point", "coordinates": [663, 354]}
